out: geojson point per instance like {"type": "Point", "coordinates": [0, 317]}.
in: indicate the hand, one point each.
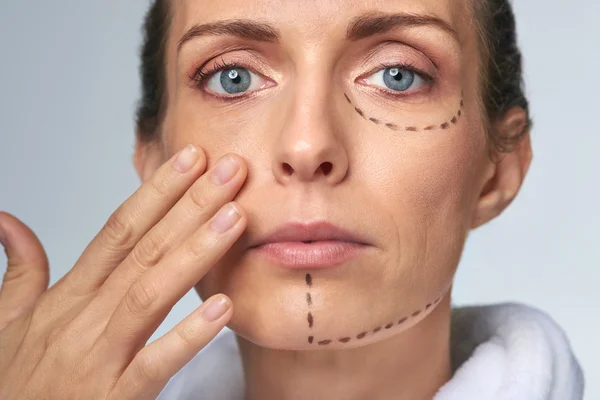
{"type": "Point", "coordinates": [85, 337]}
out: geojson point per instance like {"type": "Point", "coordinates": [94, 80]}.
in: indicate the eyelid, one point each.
{"type": "Point", "coordinates": [202, 77]}
{"type": "Point", "coordinates": [428, 82]}
{"type": "Point", "coordinates": [213, 80]}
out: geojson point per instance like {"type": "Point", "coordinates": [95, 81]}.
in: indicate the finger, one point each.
{"type": "Point", "coordinates": [148, 301]}
{"type": "Point", "coordinates": [197, 206]}
{"type": "Point", "coordinates": [27, 274]}
{"type": "Point", "coordinates": [151, 368]}
{"type": "Point", "coordinates": [136, 216]}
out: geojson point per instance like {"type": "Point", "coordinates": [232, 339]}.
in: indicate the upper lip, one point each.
{"type": "Point", "coordinates": [302, 232]}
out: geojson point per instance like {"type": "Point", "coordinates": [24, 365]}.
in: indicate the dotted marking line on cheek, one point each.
{"type": "Point", "coordinates": [361, 335]}
{"type": "Point", "coordinates": [396, 127]}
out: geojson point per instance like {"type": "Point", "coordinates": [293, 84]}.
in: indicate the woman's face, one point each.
{"type": "Point", "coordinates": [360, 113]}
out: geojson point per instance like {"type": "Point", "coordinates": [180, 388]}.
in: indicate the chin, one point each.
{"type": "Point", "coordinates": [349, 306]}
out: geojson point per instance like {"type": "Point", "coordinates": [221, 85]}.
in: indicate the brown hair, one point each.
{"type": "Point", "coordinates": [501, 77]}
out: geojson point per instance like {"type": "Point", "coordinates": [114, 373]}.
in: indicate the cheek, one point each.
{"type": "Point", "coordinates": [427, 185]}
{"type": "Point", "coordinates": [217, 130]}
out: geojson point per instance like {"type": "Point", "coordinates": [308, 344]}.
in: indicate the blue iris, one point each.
{"type": "Point", "coordinates": [235, 80]}
{"type": "Point", "coordinates": [398, 78]}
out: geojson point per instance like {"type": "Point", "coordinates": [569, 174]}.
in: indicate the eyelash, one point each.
{"type": "Point", "coordinates": [395, 95]}
{"type": "Point", "coordinates": [199, 77]}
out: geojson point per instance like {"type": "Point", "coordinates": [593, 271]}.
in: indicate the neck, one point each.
{"type": "Point", "coordinates": [411, 365]}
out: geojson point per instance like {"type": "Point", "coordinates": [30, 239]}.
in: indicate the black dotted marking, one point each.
{"type": "Point", "coordinates": [309, 302]}
{"type": "Point", "coordinates": [395, 127]}
{"type": "Point", "coordinates": [363, 334]}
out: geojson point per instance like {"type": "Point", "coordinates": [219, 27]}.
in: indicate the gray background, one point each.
{"type": "Point", "coordinates": [68, 86]}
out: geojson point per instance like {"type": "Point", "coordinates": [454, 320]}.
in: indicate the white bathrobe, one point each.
{"type": "Point", "coordinates": [499, 352]}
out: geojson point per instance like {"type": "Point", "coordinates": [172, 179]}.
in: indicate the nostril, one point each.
{"type": "Point", "coordinates": [326, 167]}
{"type": "Point", "coordinates": [288, 168]}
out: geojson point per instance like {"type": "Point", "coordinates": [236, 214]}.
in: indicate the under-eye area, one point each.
{"type": "Point", "coordinates": [441, 125]}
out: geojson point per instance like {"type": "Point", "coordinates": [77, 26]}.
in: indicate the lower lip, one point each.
{"type": "Point", "coordinates": [300, 255]}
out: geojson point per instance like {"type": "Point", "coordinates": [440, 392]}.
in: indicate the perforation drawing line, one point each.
{"type": "Point", "coordinates": [396, 127]}
{"type": "Point", "coordinates": [361, 335]}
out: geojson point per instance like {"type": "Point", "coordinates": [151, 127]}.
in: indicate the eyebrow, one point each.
{"type": "Point", "coordinates": [376, 23]}
{"type": "Point", "coordinates": [361, 27]}
{"type": "Point", "coordinates": [243, 28]}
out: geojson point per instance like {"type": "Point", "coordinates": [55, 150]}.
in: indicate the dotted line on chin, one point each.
{"type": "Point", "coordinates": [310, 318]}
{"type": "Point", "coordinates": [396, 127]}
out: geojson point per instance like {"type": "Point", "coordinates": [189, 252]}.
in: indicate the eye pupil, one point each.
{"type": "Point", "coordinates": [235, 80]}
{"type": "Point", "coordinates": [398, 79]}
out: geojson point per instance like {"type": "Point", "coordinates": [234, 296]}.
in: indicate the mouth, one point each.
{"type": "Point", "coordinates": [309, 245]}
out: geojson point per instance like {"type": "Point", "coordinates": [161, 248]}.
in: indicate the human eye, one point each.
{"type": "Point", "coordinates": [398, 79]}
{"type": "Point", "coordinates": [229, 80]}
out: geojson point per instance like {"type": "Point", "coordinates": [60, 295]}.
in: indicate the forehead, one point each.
{"type": "Point", "coordinates": [316, 20]}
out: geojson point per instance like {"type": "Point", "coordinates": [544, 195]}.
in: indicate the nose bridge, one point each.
{"type": "Point", "coordinates": [309, 145]}
{"type": "Point", "coordinates": [310, 95]}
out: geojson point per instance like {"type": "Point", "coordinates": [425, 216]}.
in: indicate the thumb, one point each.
{"type": "Point", "coordinates": [27, 272]}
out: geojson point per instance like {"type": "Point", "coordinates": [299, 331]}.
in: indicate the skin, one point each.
{"type": "Point", "coordinates": [304, 153]}
{"type": "Point", "coordinates": [415, 195]}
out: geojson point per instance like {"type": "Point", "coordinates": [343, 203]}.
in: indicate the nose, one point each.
{"type": "Point", "coordinates": [310, 146]}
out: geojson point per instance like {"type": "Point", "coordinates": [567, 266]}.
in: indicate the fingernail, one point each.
{"type": "Point", "coordinates": [215, 309]}
{"type": "Point", "coordinates": [186, 159]}
{"type": "Point", "coordinates": [225, 219]}
{"type": "Point", "coordinates": [225, 170]}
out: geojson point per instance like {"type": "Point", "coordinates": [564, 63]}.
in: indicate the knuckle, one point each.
{"type": "Point", "coordinates": [199, 198]}
{"type": "Point", "coordinates": [196, 249]}
{"type": "Point", "coordinates": [140, 298]}
{"type": "Point", "coordinates": [148, 252]}
{"type": "Point", "coordinates": [148, 369]}
{"type": "Point", "coordinates": [118, 230]}
{"type": "Point", "coordinates": [187, 336]}
{"type": "Point", "coordinates": [160, 184]}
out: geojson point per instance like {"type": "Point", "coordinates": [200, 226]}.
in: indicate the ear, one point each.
{"type": "Point", "coordinates": [148, 156]}
{"type": "Point", "coordinates": [504, 177]}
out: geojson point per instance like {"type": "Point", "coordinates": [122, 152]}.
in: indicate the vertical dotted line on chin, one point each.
{"type": "Point", "coordinates": [309, 317]}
